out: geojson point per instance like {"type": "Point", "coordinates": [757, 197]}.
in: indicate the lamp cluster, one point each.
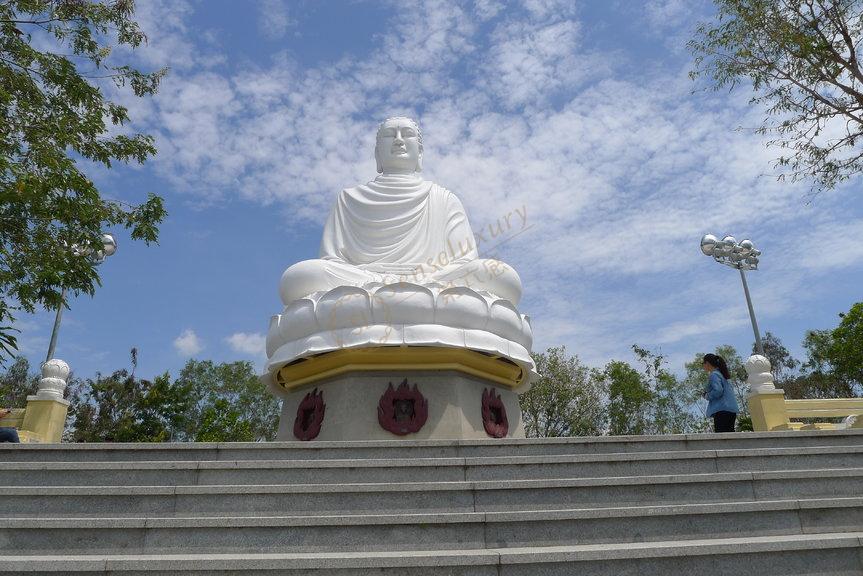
{"type": "Point", "coordinates": [741, 255]}
{"type": "Point", "coordinates": [109, 246]}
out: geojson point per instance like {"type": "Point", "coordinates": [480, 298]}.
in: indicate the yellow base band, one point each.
{"type": "Point", "coordinates": [399, 358]}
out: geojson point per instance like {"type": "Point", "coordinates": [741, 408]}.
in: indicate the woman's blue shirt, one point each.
{"type": "Point", "coordinates": [720, 395]}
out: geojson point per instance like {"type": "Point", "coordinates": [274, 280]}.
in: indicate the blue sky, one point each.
{"type": "Point", "coordinates": [580, 113]}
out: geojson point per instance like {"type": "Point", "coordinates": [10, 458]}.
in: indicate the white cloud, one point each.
{"type": "Point", "coordinates": [539, 9]}
{"type": "Point", "coordinates": [668, 21]}
{"type": "Point", "coordinates": [664, 15]}
{"type": "Point", "coordinates": [188, 343]}
{"type": "Point", "coordinates": [251, 344]}
{"type": "Point", "coordinates": [164, 23]}
{"type": "Point", "coordinates": [621, 170]}
{"type": "Point", "coordinates": [487, 9]}
{"type": "Point", "coordinates": [425, 38]}
{"type": "Point", "coordinates": [273, 18]}
{"type": "Point", "coordinates": [530, 63]}
{"type": "Point", "coordinates": [30, 330]}
{"type": "Point", "coordinates": [581, 164]}
{"type": "Point", "coordinates": [834, 244]}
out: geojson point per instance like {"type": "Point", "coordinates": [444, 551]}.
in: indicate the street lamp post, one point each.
{"type": "Point", "coordinates": [109, 247]}
{"type": "Point", "coordinates": [740, 255]}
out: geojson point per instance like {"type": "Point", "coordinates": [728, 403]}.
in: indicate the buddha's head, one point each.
{"type": "Point", "coordinates": [399, 147]}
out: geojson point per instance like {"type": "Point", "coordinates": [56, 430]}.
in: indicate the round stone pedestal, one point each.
{"type": "Point", "coordinates": [409, 404]}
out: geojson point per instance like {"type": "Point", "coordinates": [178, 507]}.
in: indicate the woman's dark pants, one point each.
{"type": "Point", "coordinates": [8, 435]}
{"type": "Point", "coordinates": [724, 421]}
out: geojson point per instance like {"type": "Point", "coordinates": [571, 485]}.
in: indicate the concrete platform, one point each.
{"type": "Point", "coordinates": [454, 402]}
{"type": "Point", "coordinates": [772, 504]}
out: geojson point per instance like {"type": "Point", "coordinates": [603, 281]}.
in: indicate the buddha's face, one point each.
{"type": "Point", "coordinates": [398, 149]}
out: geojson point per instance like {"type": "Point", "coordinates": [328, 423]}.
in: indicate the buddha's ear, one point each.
{"type": "Point", "coordinates": [420, 161]}
{"type": "Point", "coordinates": [379, 168]}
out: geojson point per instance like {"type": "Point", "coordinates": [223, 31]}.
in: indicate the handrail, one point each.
{"type": "Point", "coordinates": [832, 403]}
{"type": "Point", "coordinates": [824, 408]}
{"type": "Point", "coordinates": [13, 419]}
{"type": "Point", "coordinates": [771, 411]}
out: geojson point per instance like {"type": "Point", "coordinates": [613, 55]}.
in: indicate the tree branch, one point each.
{"type": "Point", "coordinates": [779, 74]}
{"type": "Point", "coordinates": [851, 62]}
{"type": "Point", "coordinates": [843, 30]}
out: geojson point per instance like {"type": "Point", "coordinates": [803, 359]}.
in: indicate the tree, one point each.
{"type": "Point", "coordinates": [568, 400]}
{"type": "Point", "coordinates": [673, 406]}
{"type": "Point", "coordinates": [801, 57]}
{"type": "Point", "coordinates": [208, 402]}
{"type": "Point", "coordinates": [228, 403]}
{"type": "Point", "coordinates": [782, 364]}
{"type": "Point", "coordinates": [224, 422]}
{"type": "Point", "coordinates": [55, 58]}
{"type": "Point", "coordinates": [834, 365]}
{"type": "Point", "coordinates": [124, 408]}
{"type": "Point", "coordinates": [845, 352]}
{"type": "Point", "coordinates": [17, 383]}
{"type": "Point", "coordinates": [628, 399]}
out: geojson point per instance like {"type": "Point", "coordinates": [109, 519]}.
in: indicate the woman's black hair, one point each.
{"type": "Point", "coordinates": [718, 362]}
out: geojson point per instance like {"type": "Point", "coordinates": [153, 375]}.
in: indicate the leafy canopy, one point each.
{"type": "Point", "coordinates": [55, 65]}
{"type": "Point", "coordinates": [16, 384]}
{"type": "Point", "coordinates": [802, 59]}
{"type": "Point", "coordinates": [568, 399]}
{"type": "Point", "coordinates": [228, 402]}
{"type": "Point", "coordinates": [835, 357]}
{"type": "Point", "coordinates": [629, 399]}
{"type": "Point", "coordinates": [673, 401]}
{"type": "Point", "coordinates": [571, 399]}
{"type": "Point", "coordinates": [207, 402]}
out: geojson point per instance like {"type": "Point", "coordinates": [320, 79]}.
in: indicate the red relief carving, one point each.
{"type": "Point", "coordinates": [310, 416]}
{"type": "Point", "coordinates": [494, 414]}
{"type": "Point", "coordinates": [403, 410]}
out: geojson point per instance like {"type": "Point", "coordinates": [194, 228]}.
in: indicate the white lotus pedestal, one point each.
{"type": "Point", "coordinates": [399, 361]}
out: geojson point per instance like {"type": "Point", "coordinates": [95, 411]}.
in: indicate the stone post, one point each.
{"type": "Point", "coordinates": [766, 402]}
{"type": "Point", "coordinates": [45, 416]}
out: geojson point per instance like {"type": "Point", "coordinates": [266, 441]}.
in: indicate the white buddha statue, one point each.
{"type": "Point", "coordinates": [399, 294]}
{"type": "Point", "coordinates": [399, 228]}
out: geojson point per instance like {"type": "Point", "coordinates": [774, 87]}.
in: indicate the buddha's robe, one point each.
{"type": "Point", "coordinates": [399, 229]}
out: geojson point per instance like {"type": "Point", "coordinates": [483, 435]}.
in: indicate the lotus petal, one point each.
{"type": "Point", "coordinates": [403, 303]}
{"type": "Point", "coordinates": [505, 321]}
{"type": "Point", "coordinates": [344, 307]}
{"type": "Point", "coordinates": [461, 307]}
{"type": "Point", "coordinates": [298, 320]}
{"type": "Point", "coordinates": [274, 338]}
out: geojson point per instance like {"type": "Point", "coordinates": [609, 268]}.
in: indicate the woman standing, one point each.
{"type": "Point", "coordinates": [721, 403]}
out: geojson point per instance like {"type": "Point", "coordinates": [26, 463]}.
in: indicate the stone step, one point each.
{"type": "Point", "coordinates": [413, 497]}
{"type": "Point", "coordinates": [808, 554]}
{"type": "Point", "coordinates": [470, 530]}
{"type": "Point", "coordinates": [421, 449]}
{"type": "Point", "coordinates": [201, 472]}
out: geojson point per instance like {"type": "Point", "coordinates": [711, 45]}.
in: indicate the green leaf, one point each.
{"type": "Point", "coordinates": [53, 116]}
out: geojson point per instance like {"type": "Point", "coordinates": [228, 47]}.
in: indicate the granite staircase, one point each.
{"type": "Point", "coordinates": [761, 503]}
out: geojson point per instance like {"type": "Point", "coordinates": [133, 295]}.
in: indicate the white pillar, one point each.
{"type": "Point", "coordinates": [53, 381]}
{"type": "Point", "coordinates": [766, 402]}
{"type": "Point", "coordinates": [759, 376]}
{"type": "Point", "coordinates": [45, 415]}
